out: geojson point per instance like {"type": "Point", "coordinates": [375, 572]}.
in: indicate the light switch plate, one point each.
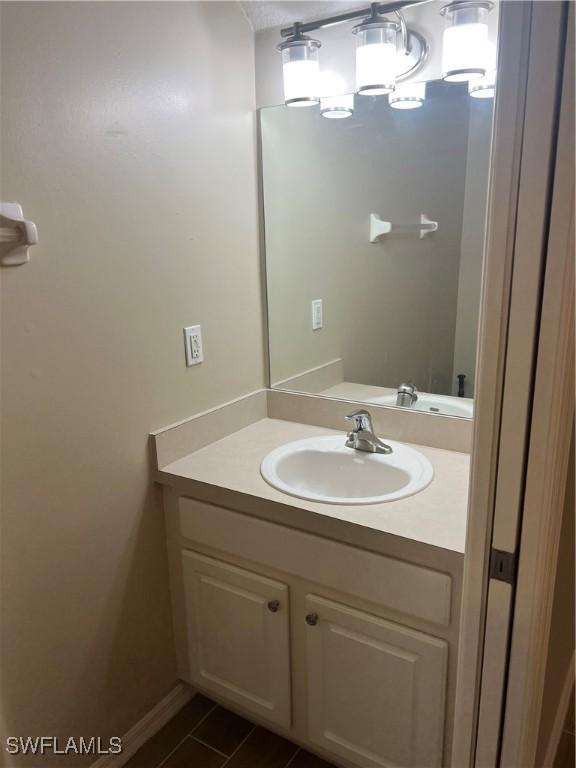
{"type": "Point", "coordinates": [193, 345]}
{"type": "Point", "coordinates": [317, 314]}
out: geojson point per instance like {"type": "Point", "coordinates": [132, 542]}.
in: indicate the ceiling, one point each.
{"type": "Point", "coordinates": [263, 14]}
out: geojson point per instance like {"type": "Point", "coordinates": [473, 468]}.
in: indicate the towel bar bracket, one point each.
{"type": "Point", "coordinates": [16, 235]}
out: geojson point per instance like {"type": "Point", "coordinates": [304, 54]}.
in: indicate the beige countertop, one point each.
{"type": "Point", "coordinates": [435, 516]}
{"type": "Point", "coordinates": [349, 390]}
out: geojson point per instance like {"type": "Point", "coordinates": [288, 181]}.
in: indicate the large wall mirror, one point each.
{"type": "Point", "coordinates": [374, 233]}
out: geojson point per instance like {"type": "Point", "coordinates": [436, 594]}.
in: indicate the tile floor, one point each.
{"type": "Point", "coordinates": [204, 735]}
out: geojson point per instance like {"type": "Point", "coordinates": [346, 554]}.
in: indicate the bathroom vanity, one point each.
{"type": "Point", "coordinates": [315, 589]}
{"type": "Point", "coordinates": [335, 625]}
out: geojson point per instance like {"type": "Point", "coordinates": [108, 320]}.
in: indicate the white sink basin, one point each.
{"type": "Point", "coordinates": [323, 469]}
{"type": "Point", "coordinates": [444, 404]}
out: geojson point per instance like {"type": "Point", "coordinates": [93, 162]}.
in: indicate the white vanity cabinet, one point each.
{"type": "Point", "coordinates": [238, 635]}
{"type": "Point", "coordinates": [277, 624]}
{"type": "Point", "coordinates": [375, 689]}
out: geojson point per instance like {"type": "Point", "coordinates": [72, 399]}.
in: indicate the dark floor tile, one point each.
{"type": "Point", "coordinates": [565, 754]}
{"type": "Point", "coordinates": [168, 737]}
{"type": "Point", "coordinates": [263, 749]}
{"type": "Point", "coordinates": [192, 754]}
{"type": "Point", "coordinates": [306, 760]}
{"type": "Point", "coordinates": [223, 730]}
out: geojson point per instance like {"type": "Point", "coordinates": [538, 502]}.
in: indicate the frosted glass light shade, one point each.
{"type": "Point", "coordinates": [483, 87]}
{"type": "Point", "coordinates": [336, 107]}
{"type": "Point", "coordinates": [376, 64]}
{"type": "Point", "coordinates": [301, 71]}
{"type": "Point", "coordinates": [408, 96]}
{"type": "Point", "coordinates": [464, 44]}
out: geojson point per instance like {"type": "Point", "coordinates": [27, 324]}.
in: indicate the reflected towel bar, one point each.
{"type": "Point", "coordinates": [378, 227]}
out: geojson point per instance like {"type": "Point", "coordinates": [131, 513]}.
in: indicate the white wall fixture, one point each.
{"type": "Point", "coordinates": [16, 235]}
{"type": "Point", "coordinates": [301, 69]}
{"type": "Point", "coordinates": [379, 227]}
{"type": "Point", "coordinates": [427, 226]}
{"type": "Point", "coordinates": [465, 41]}
{"type": "Point", "coordinates": [408, 96]}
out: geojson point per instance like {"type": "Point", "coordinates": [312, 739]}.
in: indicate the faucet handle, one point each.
{"type": "Point", "coordinates": [362, 420]}
{"type": "Point", "coordinates": [407, 390]}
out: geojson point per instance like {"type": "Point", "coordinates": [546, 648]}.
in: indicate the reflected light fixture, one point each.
{"type": "Point", "coordinates": [335, 103]}
{"type": "Point", "coordinates": [376, 48]}
{"type": "Point", "coordinates": [301, 69]}
{"type": "Point", "coordinates": [464, 45]}
{"type": "Point", "coordinates": [336, 107]}
{"type": "Point", "coordinates": [485, 87]}
{"type": "Point", "coordinates": [408, 96]}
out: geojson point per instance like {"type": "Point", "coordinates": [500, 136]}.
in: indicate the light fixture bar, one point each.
{"type": "Point", "coordinates": [379, 8]}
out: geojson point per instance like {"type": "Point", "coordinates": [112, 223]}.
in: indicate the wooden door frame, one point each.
{"type": "Point", "coordinates": [530, 52]}
{"type": "Point", "coordinates": [549, 453]}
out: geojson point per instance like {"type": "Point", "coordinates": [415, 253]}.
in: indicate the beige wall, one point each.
{"type": "Point", "coordinates": [128, 136]}
{"type": "Point", "coordinates": [472, 244]}
{"type": "Point", "coordinates": [390, 307]}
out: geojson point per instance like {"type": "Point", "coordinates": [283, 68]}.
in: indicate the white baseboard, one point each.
{"type": "Point", "coordinates": [145, 728]}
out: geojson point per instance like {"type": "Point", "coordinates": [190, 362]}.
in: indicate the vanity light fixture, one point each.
{"type": "Point", "coordinates": [408, 96]}
{"type": "Point", "coordinates": [465, 40]}
{"type": "Point", "coordinates": [376, 50]}
{"type": "Point", "coordinates": [379, 63]}
{"type": "Point", "coordinates": [301, 69]}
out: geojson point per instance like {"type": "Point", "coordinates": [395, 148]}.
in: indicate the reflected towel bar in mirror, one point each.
{"type": "Point", "coordinates": [378, 227]}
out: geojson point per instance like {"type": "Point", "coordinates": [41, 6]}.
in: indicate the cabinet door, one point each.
{"type": "Point", "coordinates": [375, 689]}
{"type": "Point", "coordinates": [238, 635]}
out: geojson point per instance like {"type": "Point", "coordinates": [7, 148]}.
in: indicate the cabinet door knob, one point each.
{"type": "Point", "coordinates": [273, 606]}
{"type": "Point", "coordinates": [312, 619]}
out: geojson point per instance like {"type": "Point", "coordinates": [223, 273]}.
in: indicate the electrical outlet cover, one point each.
{"type": "Point", "coordinates": [193, 345]}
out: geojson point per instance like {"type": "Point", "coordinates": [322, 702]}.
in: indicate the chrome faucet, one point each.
{"type": "Point", "coordinates": [407, 395]}
{"type": "Point", "coordinates": [362, 437]}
